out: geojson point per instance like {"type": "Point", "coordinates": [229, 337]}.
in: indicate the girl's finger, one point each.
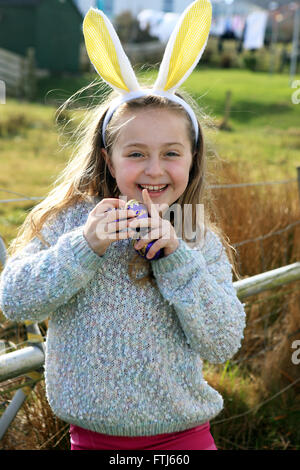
{"type": "Point", "coordinates": [157, 245]}
{"type": "Point", "coordinates": [114, 226]}
{"type": "Point", "coordinates": [160, 244]}
{"type": "Point", "coordinates": [120, 214]}
{"type": "Point", "coordinates": [147, 222]}
{"type": "Point", "coordinates": [123, 235]}
{"type": "Point", "coordinates": [153, 212]}
{"type": "Point", "coordinates": [108, 204]}
{"type": "Point", "coordinates": [113, 230]}
{"type": "Point", "coordinates": [142, 227]}
{"type": "Point", "coordinates": [152, 235]}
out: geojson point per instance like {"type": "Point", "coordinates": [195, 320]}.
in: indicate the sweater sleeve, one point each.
{"type": "Point", "coordinates": [198, 283]}
{"type": "Point", "coordinates": [38, 279]}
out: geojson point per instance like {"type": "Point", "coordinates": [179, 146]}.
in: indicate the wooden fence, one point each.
{"type": "Point", "coordinates": [18, 73]}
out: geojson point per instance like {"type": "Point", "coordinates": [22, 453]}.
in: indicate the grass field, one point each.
{"type": "Point", "coordinates": [262, 144]}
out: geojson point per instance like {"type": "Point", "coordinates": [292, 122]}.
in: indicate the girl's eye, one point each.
{"type": "Point", "coordinates": [135, 154]}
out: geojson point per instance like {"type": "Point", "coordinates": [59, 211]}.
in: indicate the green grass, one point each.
{"type": "Point", "coordinates": [264, 121]}
{"type": "Point", "coordinates": [258, 98]}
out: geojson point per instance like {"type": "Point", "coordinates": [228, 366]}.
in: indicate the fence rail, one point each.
{"type": "Point", "coordinates": [20, 362]}
{"type": "Point", "coordinates": [267, 280]}
{"type": "Point", "coordinates": [18, 72]}
{"type": "Point", "coordinates": [12, 70]}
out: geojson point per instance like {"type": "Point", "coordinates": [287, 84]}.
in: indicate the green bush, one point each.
{"type": "Point", "coordinates": [13, 125]}
{"type": "Point", "coordinates": [226, 60]}
{"type": "Point", "coordinates": [207, 56]}
{"type": "Point", "coordinates": [250, 62]}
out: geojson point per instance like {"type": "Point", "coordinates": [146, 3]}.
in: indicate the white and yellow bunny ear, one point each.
{"type": "Point", "coordinates": [185, 46]}
{"type": "Point", "coordinates": [106, 52]}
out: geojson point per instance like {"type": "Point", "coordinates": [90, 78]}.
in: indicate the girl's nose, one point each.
{"type": "Point", "coordinates": [154, 167]}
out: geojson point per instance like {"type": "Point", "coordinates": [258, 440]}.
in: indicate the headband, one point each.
{"type": "Point", "coordinates": [183, 51]}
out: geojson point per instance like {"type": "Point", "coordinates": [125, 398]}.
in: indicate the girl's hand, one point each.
{"type": "Point", "coordinates": [160, 230]}
{"type": "Point", "coordinates": [101, 228]}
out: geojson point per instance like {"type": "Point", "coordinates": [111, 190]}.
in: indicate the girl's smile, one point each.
{"type": "Point", "coordinates": [153, 190]}
{"type": "Point", "coordinates": [152, 150]}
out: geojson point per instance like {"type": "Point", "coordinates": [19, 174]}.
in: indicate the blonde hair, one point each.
{"type": "Point", "coordinates": [87, 175]}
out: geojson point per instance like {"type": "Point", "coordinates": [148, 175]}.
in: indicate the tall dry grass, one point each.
{"type": "Point", "coordinates": [273, 317]}
{"type": "Point", "coordinates": [35, 426]}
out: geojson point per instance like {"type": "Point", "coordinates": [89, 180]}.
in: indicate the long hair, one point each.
{"type": "Point", "coordinates": [86, 175]}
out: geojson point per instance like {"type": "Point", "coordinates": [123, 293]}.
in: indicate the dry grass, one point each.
{"type": "Point", "coordinates": [253, 211]}
{"type": "Point", "coordinates": [273, 316]}
{"type": "Point", "coordinates": [36, 427]}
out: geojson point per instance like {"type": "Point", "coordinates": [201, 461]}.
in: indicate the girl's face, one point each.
{"type": "Point", "coordinates": [152, 148]}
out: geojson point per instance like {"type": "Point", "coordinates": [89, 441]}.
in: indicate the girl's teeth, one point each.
{"type": "Point", "coordinates": [154, 189]}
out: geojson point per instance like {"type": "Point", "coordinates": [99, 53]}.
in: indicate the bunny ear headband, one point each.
{"type": "Point", "coordinates": [183, 51]}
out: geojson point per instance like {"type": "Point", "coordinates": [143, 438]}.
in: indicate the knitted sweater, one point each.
{"type": "Point", "coordinates": [125, 359]}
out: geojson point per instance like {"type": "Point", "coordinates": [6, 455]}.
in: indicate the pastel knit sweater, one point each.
{"type": "Point", "coordinates": [125, 359]}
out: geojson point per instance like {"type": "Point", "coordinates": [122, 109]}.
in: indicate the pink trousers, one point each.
{"type": "Point", "coordinates": [197, 438]}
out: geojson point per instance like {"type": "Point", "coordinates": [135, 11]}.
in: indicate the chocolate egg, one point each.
{"type": "Point", "coordinates": [142, 213]}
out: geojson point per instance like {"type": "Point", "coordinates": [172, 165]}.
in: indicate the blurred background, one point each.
{"type": "Point", "coordinates": [246, 35]}
{"type": "Point", "coordinates": [247, 85]}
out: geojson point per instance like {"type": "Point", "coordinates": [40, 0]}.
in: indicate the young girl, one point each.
{"type": "Point", "coordinates": [124, 353]}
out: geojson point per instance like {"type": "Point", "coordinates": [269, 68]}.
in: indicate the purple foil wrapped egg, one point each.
{"type": "Point", "coordinates": [142, 213]}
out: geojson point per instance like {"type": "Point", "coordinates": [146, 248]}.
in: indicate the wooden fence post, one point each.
{"type": "Point", "coordinates": [224, 124]}
{"type": "Point", "coordinates": [2, 92]}
{"type": "Point", "coordinates": [298, 178]}
{"type": "Point", "coordinates": [30, 75]}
